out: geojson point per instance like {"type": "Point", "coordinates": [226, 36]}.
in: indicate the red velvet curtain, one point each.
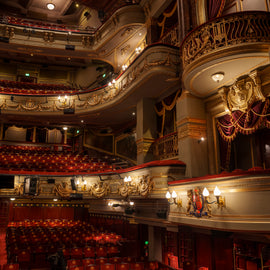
{"type": "Point", "coordinates": [215, 8]}
{"type": "Point", "coordinates": [244, 122]}
{"type": "Point", "coordinates": [34, 212]}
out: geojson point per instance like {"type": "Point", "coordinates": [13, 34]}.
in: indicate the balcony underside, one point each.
{"type": "Point", "coordinates": [234, 45]}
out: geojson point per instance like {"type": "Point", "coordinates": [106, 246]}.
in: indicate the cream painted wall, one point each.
{"type": "Point", "coordinates": [246, 5]}
{"type": "Point", "coordinates": [84, 77]}
{"type": "Point", "coordinates": [92, 20]}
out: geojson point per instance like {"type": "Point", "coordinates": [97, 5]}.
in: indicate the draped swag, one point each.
{"type": "Point", "coordinates": [215, 8]}
{"type": "Point", "coordinates": [168, 104]}
{"type": "Point", "coordinates": [169, 13]}
{"type": "Point", "coordinates": [246, 123]}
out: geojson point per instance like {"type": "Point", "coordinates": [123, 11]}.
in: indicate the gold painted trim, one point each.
{"type": "Point", "coordinates": [189, 120]}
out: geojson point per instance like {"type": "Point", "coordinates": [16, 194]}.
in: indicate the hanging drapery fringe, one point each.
{"type": "Point", "coordinates": [165, 107]}
{"type": "Point", "coordinates": [165, 16]}
{"type": "Point", "coordinates": [245, 123]}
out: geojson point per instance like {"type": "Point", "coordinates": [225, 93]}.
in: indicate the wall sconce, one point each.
{"type": "Point", "coordinates": [127, 179]}
{"type": "Point", "coordinates": [220, 200]}
{"type": "Point", "coordinates": [202, 139]}
{"type": "Point", "coordinates": [124, 67]}
{"type": "Point", "coordinates": [172, 198]}
{"type": "Point", "coordinates": [63, 100]}
{"type": "Point", "coordinates": [138, 50]}
{"type": "Point", "coordinates": [84, 185]}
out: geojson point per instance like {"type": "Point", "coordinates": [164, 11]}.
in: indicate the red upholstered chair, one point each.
{"type": "Point", "coordinates": [89, 252]}
{"type": "Point", "coordinates": [76, 253]}
{"type": "Point", "coordinates": [122, 266]}
{"type": "Point", "coordinates": [73, 262]}
{"type": "Point", "coordinates": [100, 261]}
{"type": "Point", "coordinates": [11, 266]}
{"type": "Point", "coordinates": [115, 260]}
{"type": "Point", "coordinates": [66, 253]}
{"type": "Point", "coordinates": [101, 252]}
{"type": "Point", "coordinates": [136, 266]}
{"type": "Point", "coordinates": [128, 259]}
{"type": "Point", "coordinates": [77, 268]}
{"type": "Point", "coordinates": [24, 258]}
{"type": "Point", "coordinates": [107, 266]}
{"type": "Point", "coordinates": [92, 267]}
{"type": "Point", "coordinates": [112, 250]}
{"type": "Point", "coordinates": [152, 265]}
{"type": "Point", "coordinates": [88, 261]}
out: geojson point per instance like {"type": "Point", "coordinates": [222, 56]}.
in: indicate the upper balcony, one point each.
{"type": "Point", "coordinates": [234, 45]}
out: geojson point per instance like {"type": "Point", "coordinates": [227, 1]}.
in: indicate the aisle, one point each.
{"type": "Point", "coordinates": [3, 254]}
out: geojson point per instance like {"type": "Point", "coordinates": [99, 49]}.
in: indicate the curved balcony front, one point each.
{"type": "Point", "coordinates": [113, 42]}
{"type": "Point", "coordinates": [150, 73]}
{"type": "Point", "coordinates": [233, 45]}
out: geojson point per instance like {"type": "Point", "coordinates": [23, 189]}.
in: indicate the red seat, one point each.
{"type": "Point", "coordinates": [88, 261]}
{"type": "Point", "coordinates": [137, 266]}
{"type": "Point", "coordinates": [152, 265]}
{"type": "Point", "coordinates": [101, 261]}
{"type": "Point", "coordinates": [76, 253]}
{"type": "Point", "coordinates": [122, 266]}
{"type": "Point", "coordinates": [101, 252]}
{"type": "Point", "coordinates": [92, 267]}
{"type": "Point", "coordinates": [11, 266]}
{"type": "Point", "coordinates": [115, 260]}
{"type": "Point", "coordinates": [89, 252]}
{"type": "Point", "coordinates": [73, 262]}
{"type": "Point", "coordinates": [107, 266]}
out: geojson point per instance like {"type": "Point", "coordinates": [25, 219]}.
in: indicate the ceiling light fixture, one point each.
{"type": "Point", "coordinates": [217, 77]}
{"type": "Point", "coordinates": [50, 6]}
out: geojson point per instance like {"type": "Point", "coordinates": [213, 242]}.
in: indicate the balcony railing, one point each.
{"type": "Point", "coordinates": [166, 147]}
{"type": "Point", "coordinates": [226, 32]}
{"type": "Point", "coordinates": [171, 37]}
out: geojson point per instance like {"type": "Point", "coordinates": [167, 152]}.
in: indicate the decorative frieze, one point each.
{"type": "Point", "coordinates": [191, 128]}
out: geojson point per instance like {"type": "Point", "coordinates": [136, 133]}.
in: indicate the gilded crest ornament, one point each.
{"type": "Point", "coordinates": [243, 93]}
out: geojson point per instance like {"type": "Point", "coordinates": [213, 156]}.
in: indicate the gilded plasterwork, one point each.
{"type": "Point", "coordinates": [223, 33]}
{"type": "Point", "coordinates": [243, 93]}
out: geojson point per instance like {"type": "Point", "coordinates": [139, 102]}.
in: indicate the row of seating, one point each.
{"type": "Point", "coordinates": [89, 264]}
{"type": "Point", "coordinates": [44, 25]}
{"type": "Point", "coordinates": [127, 263]}
{"type": "Point", "coordinates": [14, 158]}
{"type": "Point", "coordinates": [34, 86]}
{"type": "Point", "coordinates": [16, 91]}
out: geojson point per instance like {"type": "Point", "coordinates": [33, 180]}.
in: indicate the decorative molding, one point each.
{"type": "Point", "coordinates": [191, 128]}
{"type": "Point", "coordinates": [243, 93]}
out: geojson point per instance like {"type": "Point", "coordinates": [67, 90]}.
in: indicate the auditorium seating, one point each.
{"type": "Point", "coordinates": [42, 159]}
{"type": "Point", "coordinates": [27, 88]}
{"type": "Point", "coordinates": [25, 22]}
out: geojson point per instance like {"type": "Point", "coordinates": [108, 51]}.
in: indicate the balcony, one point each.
{"type": "Point", "coordinates": [234, 45]}
{"type": "Point", "coordinates": [166, 147]}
